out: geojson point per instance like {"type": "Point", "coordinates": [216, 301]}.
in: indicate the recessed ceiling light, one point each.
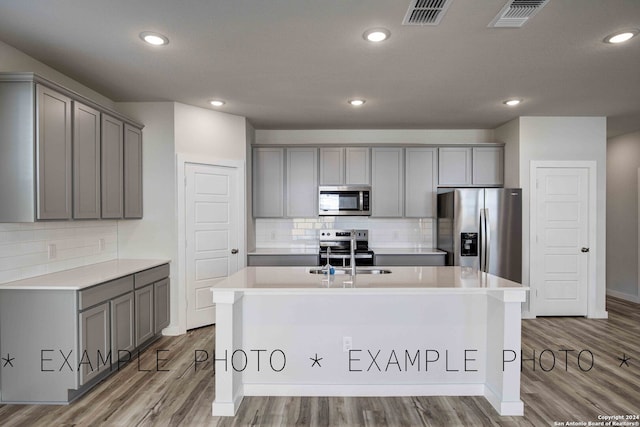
{"type": "Point", "coordinates": [356, 102]}
{"type": "Point", "coordinates": [376, 34]}
{"type": "Point", "coordinates": [155, 39]}
{"type": "Point", "coordinates": [621, 37]}
{"type": "Point", "coordinates": [512, 102]}
{"type": "Point", "coordinates": [217, 102]}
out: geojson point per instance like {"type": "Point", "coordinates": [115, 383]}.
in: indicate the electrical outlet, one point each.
{"type": "Point", "coordinates": [273, 235]}
{"type": "Point", "coordinates": [52, 252]}
{"type": "Point", "coordinates": [395, 235]}
{"type": "Point", "coordinates": [347, 344]}
{"type": "Point", "coordinates": [101, 244]}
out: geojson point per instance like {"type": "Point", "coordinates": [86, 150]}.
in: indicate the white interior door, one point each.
{"type": "Point", "coordinates": [211, 235]}
{"type": "Point", "coordinates": [560, 267]}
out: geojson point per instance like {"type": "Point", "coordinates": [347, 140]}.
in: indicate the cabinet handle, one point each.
{"type": "Point", "coordinates": [234, 251]}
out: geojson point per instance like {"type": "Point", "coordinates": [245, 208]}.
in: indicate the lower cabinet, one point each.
{"type": "Point", "coordinates": [95, 342]}
{"type": "Point", "coordinates": [123, 340]}
{"type": "Point", "coordinates": [161, 305]}
{"type": "Point", "coordinates": [144, 315]}
{"type": "Point", "coordinates": [302, 260]}
{"type": "Point", "coordinates": [69, 339]}
{"type": "Point", "coordinates": [410, 260]}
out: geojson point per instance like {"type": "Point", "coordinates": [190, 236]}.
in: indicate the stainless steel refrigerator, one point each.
{"type": "Point", "coordinates": [482, 228]}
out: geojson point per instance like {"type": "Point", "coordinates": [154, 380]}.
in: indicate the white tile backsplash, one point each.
{"type": "Point", "coordinates": [24, 247]}
{"type": "Point", "coordinates": [383, 232]}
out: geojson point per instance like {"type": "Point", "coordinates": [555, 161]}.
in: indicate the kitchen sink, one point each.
{"type": "Point", "coordinates": [348, 271]}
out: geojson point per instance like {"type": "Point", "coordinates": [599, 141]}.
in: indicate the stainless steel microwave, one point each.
{"type": "Point", "coordinates": [344, 200]}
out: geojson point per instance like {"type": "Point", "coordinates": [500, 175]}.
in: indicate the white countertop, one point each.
{"type": "Point", "coordinates": [401, 279]}
{"type": "Point", "coordinates": [407, 251]}
{"type": "Point", "coordinates": [84, 277]}
{"type": "Point", "coordinates": [285, 251]}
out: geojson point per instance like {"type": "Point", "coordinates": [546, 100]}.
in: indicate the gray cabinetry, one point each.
{"type": "Point", "coordinates": [331, 166]}
{"type": "Point", "coordinates": [68, 339]}
{"type": "Point", "coordinates": [144, 315]}
{"type": "Point", "coordinates": [358, 166]}
{"type": "Point", "coordinates": [95, 347]}
{"type": "Point", "coordinates": [471, 166]}
{"type": "Point", "coordinates": [112, 167]}
{"type": "Point", "coordinates": [302, 182]}
{"type": "Point", "coordinates": [53, 135]}
{"type": "Point", "coordinates": [488, 166]}
{"type": "Point", "coordinates": [345, 166]}
{"type": "Point", "coordinates": [268, 182]}
{"type": "Point", "coordinates": [454, 166]}
{"type": "Point", "coordinates": [387, 182]}
{"type": "Point", "coordinates": [86, 162]}
{"type": "Point", "coordinates": [122, 327]}
{"type": "Point", "coordinates": [61, 156]}
{"type": "Point", "coordinates": [275, 260]}
{"type": "Point", "coordinates": [161, 305]}
{"type": "Point", "coordinates": [409, 260]}
{"type": "Point", "coordinates": [420, 182]}
{"type": "Point", "coordinates": [132, 172]}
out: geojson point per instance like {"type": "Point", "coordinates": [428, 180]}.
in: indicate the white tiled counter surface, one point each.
{"type": "Point", "coordinates": [86, 276]}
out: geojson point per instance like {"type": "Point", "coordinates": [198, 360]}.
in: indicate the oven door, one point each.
{"type": "Point", "coordinates": [344, 260]}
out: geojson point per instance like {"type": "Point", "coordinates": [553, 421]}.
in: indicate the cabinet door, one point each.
{"type": "Point", "coordinates": [302, 182]}
{"type": "Point", "coordinates": [95, 340]}
{"type": "Point", "coordinates": [358, 166]}
{"type": "Point", "coordinates": [161, 304]}
{"type": "Point", "coordinates": [386, 188]}
{"type": "Point", "coordinates": [132, 172]}
{"type": "Point", "coordinates": [144, 314]}
{"type": "Point", "coordinates": [331, 166]}
{"type": "Point", "coordinates": [112, 164]}
{"type": "Point", "coordinates": [86, 162]}
{"type": "Point", "coordinates": [268, 182]}
{"type": "Point", "coordinates": [122, 327]}
{"type": "Point", "coordinates": [488, 166]}
{"type": "Point", "coordinates": [420, 182]}
{"type": "Point", "coordinates": [454, 166]}
{"type": "Point", "coordinates": [53, 154]}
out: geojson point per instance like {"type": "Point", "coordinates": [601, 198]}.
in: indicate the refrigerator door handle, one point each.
{"type": "Point", "coordinates": [487, 240]}
{"type": "Point", "coordinates": [481, 243]}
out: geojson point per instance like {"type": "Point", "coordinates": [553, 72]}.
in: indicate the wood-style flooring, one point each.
{"type": "Point", "coordinates": [182, 395]}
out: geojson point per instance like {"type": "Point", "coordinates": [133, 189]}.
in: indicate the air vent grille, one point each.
{"type": "Point", "coordinates": [516, 13]}
{"type": "Point", "coordinates": [426, 12]}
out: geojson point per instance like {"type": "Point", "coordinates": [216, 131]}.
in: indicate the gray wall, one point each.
{"type": "Point", "coordinates": [623, 162]}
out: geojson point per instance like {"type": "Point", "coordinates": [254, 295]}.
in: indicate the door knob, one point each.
{"type": "Point", "coordinates": [585, 250]}
{"type": "Point", "coordinates": [235, 251]}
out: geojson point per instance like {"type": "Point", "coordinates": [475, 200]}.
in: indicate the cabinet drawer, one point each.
{"type": "Point", "coordinates": [106, 291]}
{"type": "Point", "coordinates": [151, 275]}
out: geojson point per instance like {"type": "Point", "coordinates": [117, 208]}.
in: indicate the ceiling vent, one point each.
{"type": "Point", "coordinates": [516, 13]}
{"type": "Point", "coordinates": [426, 12]}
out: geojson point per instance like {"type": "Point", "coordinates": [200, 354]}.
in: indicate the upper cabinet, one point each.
{"type": "Point", "coordinates": [387, 182]}
{"type": "Point", "coordinates": [302, 182]}
{"type": "Point", "coordinates": [268, 182]}
{"type": "Point", "coordinates": [454, 166]}
{"type": "Point", "coordinates": [345, 166]}
{"type": "Point", "coordinates": [53, 146]}
{"type": "Point", "coordinates": [62, 155]}
{"type": "Point", "coordinates": [421, 180]}
{"type": "Point", "coordinates": [112, 167]}
{"type": "Point", "coordinates": [471, 166]}
{"type": "Point", "coordinates": [285, 182]}
{"type": "Point", "coordinates": [132, 172]}
{"type": "Point", "coordinates": [86, 162]}
{"type": "Point", "coordinates": [488, 166]}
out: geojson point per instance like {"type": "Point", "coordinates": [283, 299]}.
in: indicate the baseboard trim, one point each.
{"type": "Point", "coordinates": [624, 296]}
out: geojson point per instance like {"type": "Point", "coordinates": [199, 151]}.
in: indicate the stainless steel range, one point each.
{"type": "Point", "coordinates": [337, 243]}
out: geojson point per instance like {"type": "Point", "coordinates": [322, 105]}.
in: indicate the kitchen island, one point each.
{"type": "Point", "coordinates": [406, 331]}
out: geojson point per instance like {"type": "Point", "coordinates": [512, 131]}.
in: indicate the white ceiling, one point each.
{"type": "Point", "coordinates": [292, 64]}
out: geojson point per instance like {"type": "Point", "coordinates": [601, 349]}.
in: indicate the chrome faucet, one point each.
{"type": "Point", "coordinates": [352, 260]}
